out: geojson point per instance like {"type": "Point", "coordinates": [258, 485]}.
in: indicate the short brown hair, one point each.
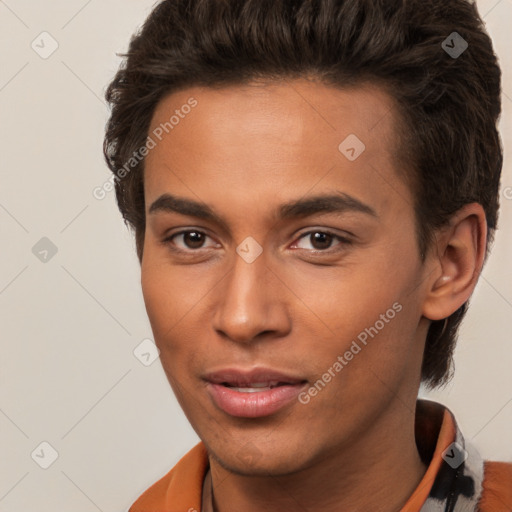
{"type": "Point", "coordinates": [448, 104]}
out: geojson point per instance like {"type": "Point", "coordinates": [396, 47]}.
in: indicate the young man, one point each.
{"type": "Point", "coordinates": [313, 187]}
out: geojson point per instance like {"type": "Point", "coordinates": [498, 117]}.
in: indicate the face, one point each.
{"type": "Point", "coordinates": [242, 272]}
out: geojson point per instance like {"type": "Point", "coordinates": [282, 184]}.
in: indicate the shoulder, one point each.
{"type": "Point", "coordinates": [154, 496]}
{"type": "Point", "coordinates": [497, 487]}
{"type": "Point", "coordinates": [180, 486]}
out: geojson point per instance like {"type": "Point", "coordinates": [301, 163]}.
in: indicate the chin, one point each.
{"type": "Point", "coordinates": [269, 467]}
{"type": "Point", "coordinates": [250, 460]}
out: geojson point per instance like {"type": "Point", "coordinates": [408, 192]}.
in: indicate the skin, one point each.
{"type": "Point", "coordinates": [244, 150]}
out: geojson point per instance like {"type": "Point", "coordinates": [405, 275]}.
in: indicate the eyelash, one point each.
{"type": "Point", "coordinates": [343, 241]}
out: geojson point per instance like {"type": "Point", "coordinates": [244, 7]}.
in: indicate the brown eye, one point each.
{"type": "Point", "coordinates": [322, 241]}
{"type": "Point", "coordinates": [191, 240]}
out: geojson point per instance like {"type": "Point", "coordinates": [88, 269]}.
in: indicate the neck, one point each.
{"type": "Point", "coordinates": [377, 471]}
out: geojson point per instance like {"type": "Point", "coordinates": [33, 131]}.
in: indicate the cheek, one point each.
{"type": "Point", "coordinates": [390, 350]}
{"type": "Point", "coordinates": [164, 309]}
{"type": "Point", "coordinates": [171, 302]}
{"type": "Point", "coordinates": [377, 358]}
{"type": "Point", "coordinates": [346, 301]}
{"type": "Point", "coordinates": [370, 317]}
{"type": "Point", "coordinates": [168, 296]}
{"type": "Point", "coordinates": [157, 302]}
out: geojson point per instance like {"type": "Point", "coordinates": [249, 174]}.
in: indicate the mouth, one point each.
{"type": "Point", "coordinates": [253, 393]}
{"type": "Point", "coordinates": [255, 387]}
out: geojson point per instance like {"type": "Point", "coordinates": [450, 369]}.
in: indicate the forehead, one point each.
{"type": "Point", "coordinates": [263, 109]}
{"type": "Point", "coordinates": [270, 138]}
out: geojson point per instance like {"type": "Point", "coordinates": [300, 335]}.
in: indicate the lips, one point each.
{"type": "Point", "coordinates": [246, 379]}
{"type": "Point", "coordinates": [254, 387]}
{"type": "Point", "coordinates": [252, 393]}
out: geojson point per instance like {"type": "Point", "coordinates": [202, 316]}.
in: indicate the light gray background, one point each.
{"type": "Point", "coordinates": [68, 374]}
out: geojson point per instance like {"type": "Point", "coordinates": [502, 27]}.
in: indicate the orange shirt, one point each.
{"type": "Point", "coordinates": [457, 479]}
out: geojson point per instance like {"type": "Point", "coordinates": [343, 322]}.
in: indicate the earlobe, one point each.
{"type": "Point", "coordinates": [459, 260]}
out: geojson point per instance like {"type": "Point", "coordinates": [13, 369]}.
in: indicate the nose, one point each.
{"type": "Point", "coordinates": [252, 303]}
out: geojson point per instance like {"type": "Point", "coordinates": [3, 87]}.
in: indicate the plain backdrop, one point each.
{"type": "Point", "coordinates": [72, 312]}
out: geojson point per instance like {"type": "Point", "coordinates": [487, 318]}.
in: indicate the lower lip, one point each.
{"type": "Point", "coordinates": [253, 405]}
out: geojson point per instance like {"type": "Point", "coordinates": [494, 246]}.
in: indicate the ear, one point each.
{"type": "Point", "coordinates": [456, 262]}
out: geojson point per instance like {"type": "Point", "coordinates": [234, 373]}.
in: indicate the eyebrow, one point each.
{"type": "Point", "coordinates": [338, 202]}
